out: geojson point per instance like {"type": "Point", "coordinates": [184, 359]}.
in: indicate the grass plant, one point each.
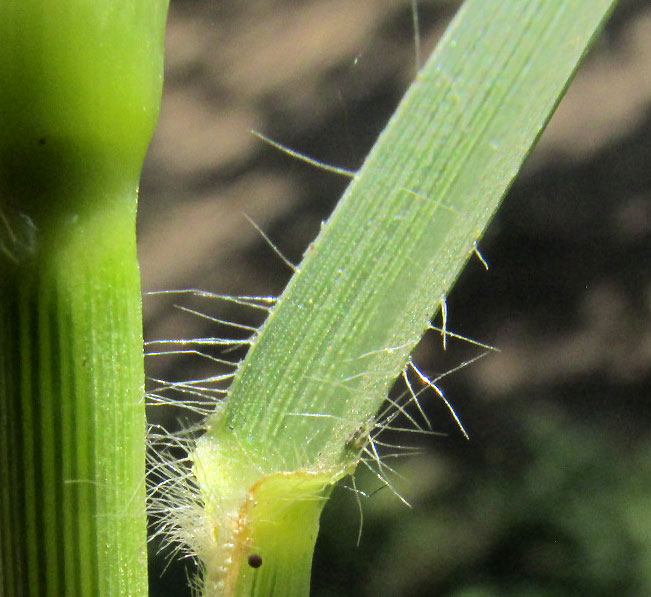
{"type": "Point", "coordinates": [302, 409]}
{"type": "Point", "coordinates": [81, 87]}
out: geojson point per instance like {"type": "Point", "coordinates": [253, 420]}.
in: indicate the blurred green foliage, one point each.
{"type": "Point", "coordinates": [565, 512]}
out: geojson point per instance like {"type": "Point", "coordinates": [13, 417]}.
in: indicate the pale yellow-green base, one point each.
{"type": "Point", "coordinates": [251, 513]}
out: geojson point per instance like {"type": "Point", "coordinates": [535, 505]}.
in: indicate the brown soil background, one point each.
{"type": "Point", "coordinates": [567, 298]}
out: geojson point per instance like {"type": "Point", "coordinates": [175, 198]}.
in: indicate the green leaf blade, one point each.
{"type": "Point", "coordinates": [409, 220]}
{"type": "Point", "coordinates": [368, 286]}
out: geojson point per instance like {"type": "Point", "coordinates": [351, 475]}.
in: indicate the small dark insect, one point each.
{"type": "Point", "coordinates": [359, 439]}
{"type": "Point", "coordinates": [255, 560]}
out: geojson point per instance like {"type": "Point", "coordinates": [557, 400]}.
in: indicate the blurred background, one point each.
{"type": "Point", "coordinates": [552, 493]}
